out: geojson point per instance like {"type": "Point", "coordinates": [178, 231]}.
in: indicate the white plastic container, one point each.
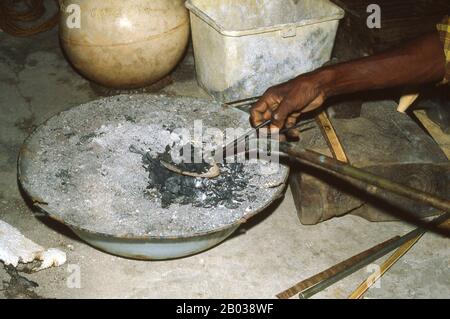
{"type": "Point", "coordinates": [242, 47]}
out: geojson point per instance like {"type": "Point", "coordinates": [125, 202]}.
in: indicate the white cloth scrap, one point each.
{"type": "Point", "coordinates": [15, 248]}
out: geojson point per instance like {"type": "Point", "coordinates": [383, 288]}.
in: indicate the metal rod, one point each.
{"type": "Point", "coordinates": [347, 170]}
{"type": "Point", "coordinates": [307, 293]}
{"type": "Point", "coordinates": [385, 266]}
{"type": "Point", "coordinates": [254, 130]}
{"type": "Point", "coordinates": [245, 135]}
{"type": "Point", "coordinates": [332, 271]}
{"type": "Point", "coordinates": [298, 125]}
{"type": "Point", "coordinates": [243, 102]}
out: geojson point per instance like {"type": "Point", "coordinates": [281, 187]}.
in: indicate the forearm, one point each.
{"type": "Point", "coordinates": [418, 62]}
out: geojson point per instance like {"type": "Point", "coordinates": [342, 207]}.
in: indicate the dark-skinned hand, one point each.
{"type": "Point", "coordinates": [284, 103]}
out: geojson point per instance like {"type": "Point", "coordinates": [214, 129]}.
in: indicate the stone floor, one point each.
{"type": "Point", "coordinates": [267, 255]}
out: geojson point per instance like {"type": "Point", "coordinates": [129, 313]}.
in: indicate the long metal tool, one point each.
{"type": "Point", "coordinates": [338, 272]}
{"type": "Point", "coordinates": [388, 263]}
{"type": "Point", "coordinates": [244, 102]}
{"type": "Point", "coordinates": [255, 130]}
{"type": "Point", "coordinates": [332, 271]}
{"type": "Point", "coordinates": [245, 135]}
{"type": "Point", "coordinates": [348, 171]}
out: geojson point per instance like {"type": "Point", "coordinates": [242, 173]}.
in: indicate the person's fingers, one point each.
{"type": "Point", "coordinates": [257, 114]}
{"type": "Point", "coordinates": [291, 121]}
{"type": "Point", "coordinates": [267, 115]}
{"type": "Point", "coordinates": [275, 133]}
{"type": "Point", "coordinates": [272, 109]}
{"type": "Point", "coordinates": [287, 106]}
{"type": "Point", "coordinates": [273, 106]}
{"type": "Point", "coordinates": [260, 111]}
{"type": "Point", "coordinates": [298, 100]}
{"type": "Point", "coordinates": [274, 129]}
{"type": "Point", "coordinates": [262, 104]}
{"type": "Point", "coordinates": [280, 108]}
{"type": "Point", "coordinates": [293, 134]}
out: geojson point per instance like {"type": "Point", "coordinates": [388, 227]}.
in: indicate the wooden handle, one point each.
{"type": "Point", "coordinates": [406, 101]}
{"type": "Point", "coordinates": [331, 137]}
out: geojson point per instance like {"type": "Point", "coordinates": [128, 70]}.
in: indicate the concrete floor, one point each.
{"type": "Point", "coordinates": [269, 254]}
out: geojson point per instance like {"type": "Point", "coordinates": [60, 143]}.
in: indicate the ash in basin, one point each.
{"type": "Point", "coordinates": [171, 188]}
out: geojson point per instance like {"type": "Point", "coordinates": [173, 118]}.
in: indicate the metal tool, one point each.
{"type": "Point", "coordinates": [362, 263]}
{"type": "Point", "coordinates": [313, 285]}
{"type": "Point", "coordinates": [327, 274]}
{"type": "Point", "coordinates": [245, 135]}
{"type": "Point", "coordinates": [352, 173]}
{"type": "Point", "coordinates": [243, 102]}
{"type": "Point", "coordinates": [214, 171]}
{"type": "Point", "coordinates": [254, 130]}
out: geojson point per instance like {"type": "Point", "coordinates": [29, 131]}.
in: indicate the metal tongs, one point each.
{"type": "Point", "coordinates": [255, 130]}
{"type": "Point", "coordinates": [214, 170]}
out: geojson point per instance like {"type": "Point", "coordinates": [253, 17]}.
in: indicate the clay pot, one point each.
{"type": "Point", "coordinates": [124, 43]}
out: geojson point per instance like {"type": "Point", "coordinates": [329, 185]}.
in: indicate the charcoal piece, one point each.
{"type": "Point", "coordinates": [174, 188]}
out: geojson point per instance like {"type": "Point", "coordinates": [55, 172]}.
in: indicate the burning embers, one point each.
{"type": "Point", "coordinates": [173, 188]}
{"type": "Point", "coordinates": [195, 171]}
